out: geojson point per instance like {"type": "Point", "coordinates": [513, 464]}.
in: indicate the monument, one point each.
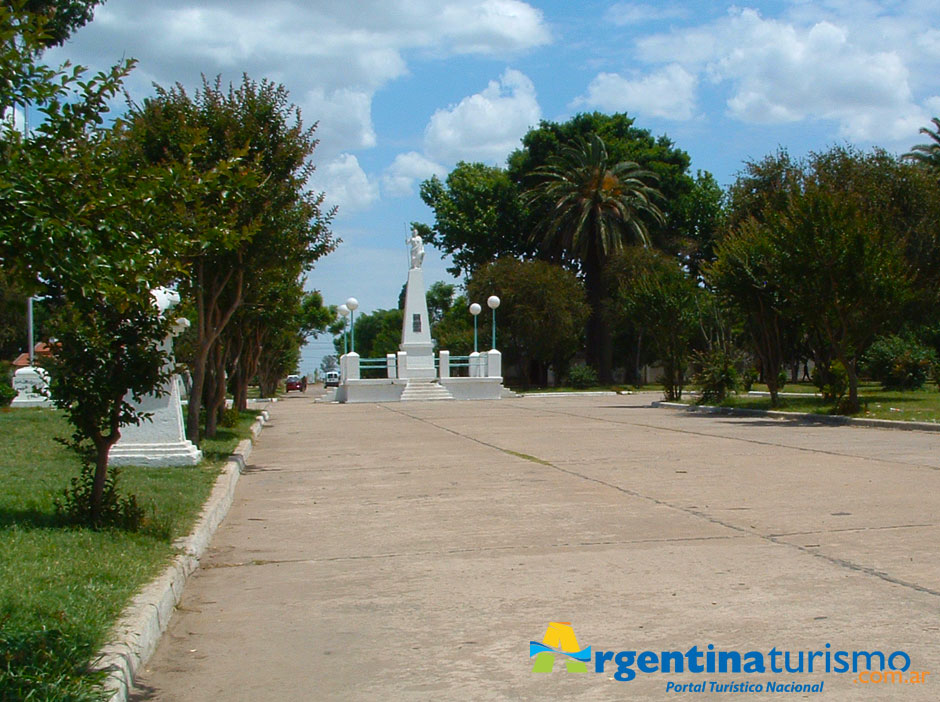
{"type": "Point", "coordinates": [414, 373]}
{"type": "Point", "coordinates": [416, 326]}
{"type": "Point", "coordinates": [160, 440]}
{"type": "Point", "coordinates": [30, 383]}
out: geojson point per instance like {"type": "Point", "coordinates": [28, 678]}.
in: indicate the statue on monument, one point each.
{"type": "Point", "coordinates": [417, 248]}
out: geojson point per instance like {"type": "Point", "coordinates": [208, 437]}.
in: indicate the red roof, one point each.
{"type": "Point", "coordinates": [40, 349]}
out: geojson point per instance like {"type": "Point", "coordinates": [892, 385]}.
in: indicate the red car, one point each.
{"type": "Point", "coordinates": [296, 382]}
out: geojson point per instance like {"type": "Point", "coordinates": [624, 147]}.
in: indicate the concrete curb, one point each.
{"type": "Point", "coordinates": [829, 419]}
{"type": "Point", "coordinates": [143, 621]}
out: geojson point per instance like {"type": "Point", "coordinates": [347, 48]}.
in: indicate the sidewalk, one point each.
{"type": "Point", "coordinates": [412, 551]}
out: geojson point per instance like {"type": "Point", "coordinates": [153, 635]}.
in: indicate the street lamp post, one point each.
{"type": "Point", "coordinates": [353, 304]}
{"type": "Point", "coordinates": [493, 302]}
{"type": "Point", "coordinates": [475, 310]}
{"type": "Point", "coordinates": [344, 313]}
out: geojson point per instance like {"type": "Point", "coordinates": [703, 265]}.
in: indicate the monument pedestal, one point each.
{"type": "Point", "coordinates": [160, 440]}
{"type": "Point", "coordinates": [30, 384]}
{"type": "Point", "coordinates": [416, 330]}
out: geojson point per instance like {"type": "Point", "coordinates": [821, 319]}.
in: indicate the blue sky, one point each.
{"type": "Point", "coordinates": [403, 89]}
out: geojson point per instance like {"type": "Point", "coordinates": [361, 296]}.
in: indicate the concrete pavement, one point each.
{"type": "Point", "coordinates": [412, 551]}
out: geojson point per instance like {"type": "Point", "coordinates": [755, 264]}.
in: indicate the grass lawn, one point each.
{"type": "Point", "coordinates": [61, 587]}
{"type": "Point", "coordinates": [902, 405]}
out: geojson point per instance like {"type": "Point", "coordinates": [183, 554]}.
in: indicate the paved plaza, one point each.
{"type": "Point", "coordinates": [411, 551]}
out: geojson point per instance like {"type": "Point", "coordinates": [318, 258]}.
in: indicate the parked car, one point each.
{"type": "Point", "coordinates": [295, 382]}
{"type": "Point", "coordinates": [331, 379]}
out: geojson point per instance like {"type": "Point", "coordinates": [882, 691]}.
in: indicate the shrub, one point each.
{"type": "Point", "coordinates": [832, 382]}
{"type": "Point", "coordinates": [7, 393]}
{"type": "Point", "coordinates": [782, 378]}
{"type": "Point", "coordinates": [116, 511]}
{"type": "Point", "coordinates": [582, 377]}
{"type": "Point", "coordinates": [748, 378]}
{"type": "Point", "coordinates": [716, 374]}
{"type": "Point", "coordinates": [899, 363]}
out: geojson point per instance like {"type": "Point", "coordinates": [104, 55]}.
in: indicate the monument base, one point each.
{"type": "Point", "coordinates": [155, 455]}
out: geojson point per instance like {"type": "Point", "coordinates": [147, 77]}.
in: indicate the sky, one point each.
{"type": "Point", "coordinates": [404, 89]}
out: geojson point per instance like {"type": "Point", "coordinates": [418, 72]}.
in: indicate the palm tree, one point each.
{"type": "Point", "coordinates": [591, 208]}
{"type": "Point", "coordinates": [928, 154]}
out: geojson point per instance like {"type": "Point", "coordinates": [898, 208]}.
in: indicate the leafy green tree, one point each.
{"type": "Point", "coordinates": [624, 142]}
{"type": "Point", "coordinates": [377, 334]}
{"type": "Point", "coordinates": [541, 316]}
{"type": "Point", "coordinates": [666, 304]}
{"type": "Point", "coordinates": [745, 276]}
{"type": "Point", "coordinates": [78, 223]}
{"type": "Point", "coordinates": [478, 216]}
{"type": "Point", "coordinates": [61, 17]}
{"type": "Point", "coordinates": [845, 271]}
{"type": "Point", "coordinates": [265, 220]}
{"type": "Point", "coordinates": [593, 207]}
{"type": "Point", "coordinates": [699, 219]}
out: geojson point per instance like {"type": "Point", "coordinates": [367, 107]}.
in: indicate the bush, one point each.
{"type": "Point", "coordinates": [7, 393]}
{"type": "Point", "coordinates": [782, 378]}
{"type": "Point", "coordinates": [716, 374]}
{"type": "Point", "coordinates": [582, 377]}
{"type": "Point", "coordinates": [832, 382]}
{"type": "Point", "coordinates": [899, 363]}
{"type": "Point", "coordinates": [748, 378]}
{"type": "Point", "coordinates": [120, 512]}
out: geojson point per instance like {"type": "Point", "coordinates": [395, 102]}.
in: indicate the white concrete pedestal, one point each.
{"type": "Point", "coordinates": [30, 384]}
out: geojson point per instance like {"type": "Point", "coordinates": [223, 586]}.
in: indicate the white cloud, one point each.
{"type": "Point", "coordinates": [345, 185]}
{"type": "Point", "coordinates": [333, 55]}
{"type": "Point", "coordinates": [668, 93]}
{"type": "Point", "coordinates": [399, 178]}
{"type": "Point", "coordinates": [486, 126]}
{"type": "Point", "coordinates": [782, 71]}
{"type": "Point", "coordinates": [623, 14]}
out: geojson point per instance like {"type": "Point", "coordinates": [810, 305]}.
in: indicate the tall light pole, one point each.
{"type": "Point", "coordinates": [493, 302]}
{"type": "Point", "coordinates": [353, 304]}
{"type": "Point", "coordinates": [29, 328]}
{"type": "Point", "coordinates": [475, 310]}
{"type": "Point", "coordinates": [344, 313]}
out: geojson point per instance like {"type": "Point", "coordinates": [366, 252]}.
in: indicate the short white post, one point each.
{"type": "Point", "coordinates": [494, 364]}
{"type": "Point", "coordinates": [391, 365]}
{"type": "Point", "coordinates": [476, 365]}
{"type": "Point", "coordinates": [444, 363]}
{"type": "Point", "coordinates": [352, 366]}
{"type": "Point", "coordinates": [402, 358]}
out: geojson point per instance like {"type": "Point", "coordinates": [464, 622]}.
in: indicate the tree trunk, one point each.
{"type": "Point", "coordinates": [102, 449]}
{"type": "Point", "coordinates": [599, 342]}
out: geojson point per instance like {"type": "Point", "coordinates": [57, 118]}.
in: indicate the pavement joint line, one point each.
{"type": "Point", "coordinates": [749, 441]}
{"type": "Point", "coordinates": [838, 531]}
{"type": "Point", "coordinates": [839, 562]}
{"type": "Point", "coordinates": [459, 551]}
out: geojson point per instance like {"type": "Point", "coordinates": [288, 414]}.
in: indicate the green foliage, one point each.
{"type": "Point", "coordinates": [782, 378]}
{"type": "Point", "coordinates": [699, 219]}
{"type": "Point", "coordinates": [582, 376]}
{"type": "Point", "coordinates": [77, 505]}
{"type": "Point", "coordinates": [542, 310]}
{"type": "Point", "coordinates": [832, 382]}
{"type": "Point", "coordinates": [623, 142]}
{"type": "Point", "coordinates": [652, 291]}
{"type": "Point", "coordinates": [899, 362]}
{"type": "Point", "coordinates": [716, 374]}
{"type": "Point", "coordinates": [478, 216]}
{"type": "Point", "coordinates": [377, 334]}
{"type": "Point", "coordinates": [748, 378]}
{"type": "Point", "coordinates": [928, 154]}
